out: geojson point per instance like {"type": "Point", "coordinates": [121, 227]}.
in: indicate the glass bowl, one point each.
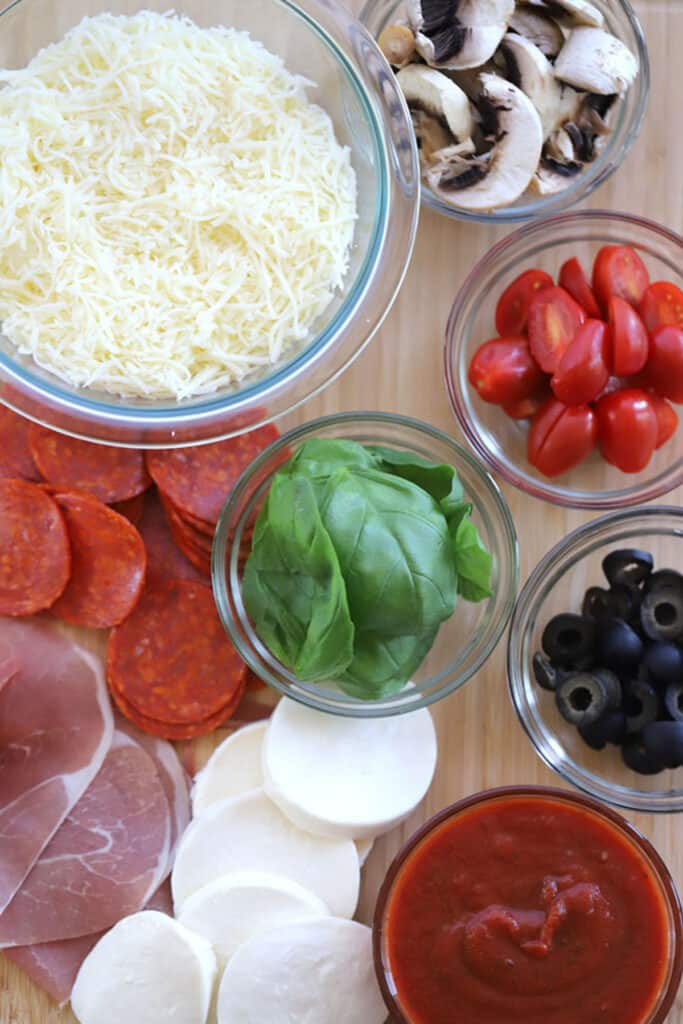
{"type": "Point", "coordinates": [463, 643]}
{"type": "Point", "coordinates": [643, 848]}
{"type": "Point", "coordinates": [556, 585]}
{"type": "Point", "coordinates": [501, 441]}
{"type": "Point", "coordinates": [623, 23]}
{"type": "Point", "coordinates": [321, 41]}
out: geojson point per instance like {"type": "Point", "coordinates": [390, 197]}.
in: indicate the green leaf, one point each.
{"type": "Point", "coordinates": [319, 457]}
{"type": "Point", "coordinates": [293, 589]}
{"type": "Point", "coordinates": [394, 551]}
{"type": "Point", "coordinates": [472, 562]}
{"type": "Point", "coordinates": [382, 666]}
{"type": "Point", "coordinates": [438, 479]}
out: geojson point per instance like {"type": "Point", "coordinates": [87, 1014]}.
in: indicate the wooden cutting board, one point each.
{"type": "Point", "coordinates": [481, 742]}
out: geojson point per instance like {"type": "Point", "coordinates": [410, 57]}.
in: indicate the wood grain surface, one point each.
{"type": "Point", "coordinates": [481, 743]}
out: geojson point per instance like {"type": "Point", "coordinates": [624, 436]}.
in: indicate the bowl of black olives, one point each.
{"type": "Point", "coordinates": [595, 658]}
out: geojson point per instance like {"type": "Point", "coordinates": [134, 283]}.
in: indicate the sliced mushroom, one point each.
{"type": "Point", "coordinates": [498, 178]}
{"type": "Point", "coordinates": [539, 28]}
{"type": "Point", "coordinates": [597, 62]}
{"type": "Point", "coordinates": [590, 125]}
{"type": "Point", "coordinates": [554, 176]}
{"type": "Point", "coordinates": [431, 134]}
{"type": "Point", "coordinates": [430, 90]}
{"type": "Point", "coordinates": [397, 43]}
{"type": "Point", "coordinates": [580, 12]}
{"type": "Point", "coordinates": [458, 33]}
{"type": "Point", "coordinates": [532, 72]}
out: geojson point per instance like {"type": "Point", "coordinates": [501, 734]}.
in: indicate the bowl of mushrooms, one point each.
{"type": "Point", "coordinates": [520, 109]}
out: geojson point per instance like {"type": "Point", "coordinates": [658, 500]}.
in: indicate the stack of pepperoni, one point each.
{"type": "Point", "coordinates": [85, 535]}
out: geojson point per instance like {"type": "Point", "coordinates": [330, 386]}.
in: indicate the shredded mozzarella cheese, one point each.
{"type": "Point", "coordinates": [175, 214]}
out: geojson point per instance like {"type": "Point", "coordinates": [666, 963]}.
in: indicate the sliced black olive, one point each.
{"type": "Point", "coordinates": [568, 640]}
{"type": "Point", "coordinates": [664, 578]}
{"type": "Point", "coordinates": [661, 613]}
{"type": "Point", "coordinates": [582, 698]}
{"type": "Point", "coordinates": [664, 741]}
{"type": "Point", "coordinates": [619, 647]}
{"type": "Point", "coordinates": [673, 699]}
{"type": "Point", "coordinates": [663, 662]}
{"type": "Point", "coordinates": [598, 605]}
{"type": "Point", "coordinates": [611, 728]}
{"type": "Point", "coordinates": [641, 705]}
{"type": "Point", "coordinates": [611, 684]}
{"type": "Point", "coordinates": [626, 601]}
{"type": "Point", "coordinates": [545, 673]}
{"type": "Point", "coordinates": [637, 758]}
{"type": "Point", "coordinates": [627, 566]}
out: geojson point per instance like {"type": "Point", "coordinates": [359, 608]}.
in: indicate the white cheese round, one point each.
{"type": "Point", "coordinates": [347, 777]}
{"type": "Point", "coordinates": [317, 972]}
{"type": "Point", "coordinates": [233, 769]}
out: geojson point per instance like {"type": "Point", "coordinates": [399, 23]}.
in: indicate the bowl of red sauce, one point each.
{"type": "Point", "coordinates": [528, 904]}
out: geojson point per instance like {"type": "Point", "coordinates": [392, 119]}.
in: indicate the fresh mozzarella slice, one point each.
{"type": "Point", "coordinates": [315, 971]}
{"type": "Point", "coordinates": [364, 848]}
{"type": "Point", "coordinates": [147, 969]}
{"type": "Point", "coordinates": [347, 777]}
{"type": "Point", "coordinates": [249, 833]}
{"type": "Point", "coordinates": [233, 768]}
{"type": "Point", "coordinates": [239, 906]}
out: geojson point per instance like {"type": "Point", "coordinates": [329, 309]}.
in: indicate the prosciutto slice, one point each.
{"type": "Point", "coordinates": [106, 860]}
{"type": "Point", "coordinates": [55, 729]}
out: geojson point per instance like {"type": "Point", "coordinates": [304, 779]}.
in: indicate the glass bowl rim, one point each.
{"type": "Point", "coordinates": [584, 185]}
{"type": "Point", "coordinates": [644, 845]}
{"type": "Point", "coordinates": [550, 569]}
{"type": "Point", "coordinates": [454, 352]}
{"type": "Point", "coordinates": [169, 414]}
{"type": "Point", "coordinates": [224, 549]}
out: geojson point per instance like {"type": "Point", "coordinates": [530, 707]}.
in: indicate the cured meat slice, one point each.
{"type": "Point", "coordinates": [55, 729]}
{"type": "Point", "coordinates": [198, 480]}
{"type": "Point", "coordinates": [165, 561]}
{"type": "Point", "coordinates": [171, 659]}
{"type": "Point", "coordinates": [15, 454]}
{"type": "Point", "coordinates": [35, 558]}
{"type": "Point", "coordinates": [110, 474]}
{"type": "Point", "coordinates": [131, 508]}
{"type": "Point", "coordinates": [106, 860]}
{"type": "Point", "coordinates": [175, 730]}
{"type": "Point", "coordinates": [107, 564]}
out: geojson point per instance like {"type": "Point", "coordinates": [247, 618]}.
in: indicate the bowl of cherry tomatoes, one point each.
{"type": "Point", "coordinates": [564, 359]}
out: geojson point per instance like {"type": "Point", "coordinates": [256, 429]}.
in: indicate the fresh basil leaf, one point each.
{"type": "Point", "coordinates": [293, 589]}
{"type": "Point", "coordinates": [394, 551]}
{"type": "Point", "coordinates": [438, 479]}
{"type": "Point", "coordinates": [462, 511]}
{"type": "Point", "coordinates": [319, 457]}
{"type": "Point", "coordinates": [472, 562]}
{"type": "Point", "coordinates": [382, 666]}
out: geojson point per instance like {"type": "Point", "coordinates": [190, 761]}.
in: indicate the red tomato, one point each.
{"type": "Point", "coordinates": [667, 419]}
{"type": "Point", "coordinates": [527, 407]}
{"type": "Point", "coordinates": [628, 338]}
{"type": "Point", "coordinates": [503, 370]}
{"type": "Point", "coordinates": [627, 422]}
{"type": "Point", "coordinates": [573, 279]}
{"type": "Point", "coordinates": [513, 305]}
{"type": "Point", "coordinates": [554, 318]}
{"type": "Point", "coordinates": [583, 373]}
{"type": "Point", "coordinates": [664, 369]}
{"type": "Point", "coordinates": [561, 436]}
{"type": "Point", "coordinates": [662, 304]}
{"type": "Point", "coordinates": [619, 270]}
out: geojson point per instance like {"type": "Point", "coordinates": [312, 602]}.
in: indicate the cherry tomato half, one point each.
{"type": "Point", "coordinates": [561, 436]}
{"type": "Point", "coordinates": [554, 318]}
{"type": "Point", "coordinates": [513, 305]}
{"type": "Point", "coordinates": [503, 370]}
{"type": "Point", "coordinates": [662, 304]}
{"type": "Point", "coordinates": [667, 419]}
{"type": "Point", "coordinates": [664, 370]}
{"type": "Point", "coordinates": [628, 338]}
{"type": "Point", "coordinates": [527, 407]}
{"type": "Point", "coordinates": [574, 280]}
{"type": "Point", "coordinates": [627, 422]}
{"type": "Point", "coordinates": [619, 270]}
{"type": "Point", "coordinates": [583, 372]}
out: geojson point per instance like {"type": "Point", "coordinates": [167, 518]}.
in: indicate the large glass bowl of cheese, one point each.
{"type": "Point", "coordinates": [205, 215]}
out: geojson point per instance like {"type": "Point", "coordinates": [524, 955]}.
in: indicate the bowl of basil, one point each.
{"type": "Point", "coordinates": [365, 564]}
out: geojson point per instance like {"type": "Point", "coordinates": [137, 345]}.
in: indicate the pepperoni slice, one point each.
{"type": "Point", "coordinates": [165, 561]}
{"type": "Point", "coordinates": [171, 659]}
{"type": "Point", "coordinates": [35, 557]}
{"type": "Point", "coordinates": [110, 474]}
{"type": "Point", "coordinates": [15, 454]}
{"type": "Point", "coordinates": [199, 559]}
{"type": "Point", "coordinates": [198, 480]}
{"type": "Point", "coordinates": [131, 508]}
{"type": "Point", "coordinates": [108, 564]}
{"type": "Point", "coordinates": [173, 730]}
